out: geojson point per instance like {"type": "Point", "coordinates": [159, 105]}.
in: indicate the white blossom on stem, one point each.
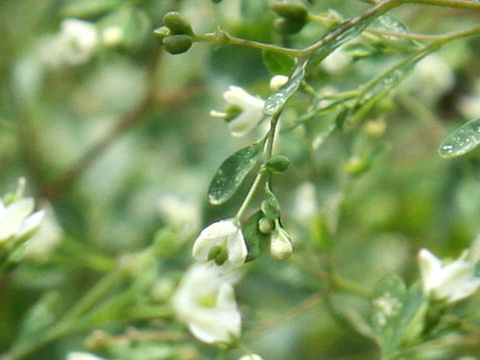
{"type": "Point", "coordinates": [17, 220]}
{"type": "Point", "coordinates": [244, 112]}
{"type": "Point", "coordinates": [251, 357]}
{"type": "Point", "coordinates": [205, 301]}
{"type": "Point", "coordinates": [221, 242]}
{"type": "Point", "coordinates": [81, 355]}
{"type": "Point", "coordinates": [449, 282]}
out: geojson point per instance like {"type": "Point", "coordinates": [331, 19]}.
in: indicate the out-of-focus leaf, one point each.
{"type": "Point", "coordinates": [88, 8]}
{"type": "Point", "coordinates": [40, 315]}
{"type": "Point", "coordinates": [462, 140]}
{"type": "Point", "coordinates": [277, 63]}
{"type": "Point", "coordinates": [232, 172]}
{"type": "Point", "coordinates": [278, 99]}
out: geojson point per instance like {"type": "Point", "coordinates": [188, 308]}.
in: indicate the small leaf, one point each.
{"type": "Point", "coordinates": [277, 63]}
{"type": "Point", "coordinates": [253, 236]}
{"type": "Point", "coordinates": [462, 140]}
{"type": "Point", "coordinates": [270, 206]}
{"type": "Point", "coordinates": [278, 99]}
{"type": "Point", "coordinates": [232, 172]}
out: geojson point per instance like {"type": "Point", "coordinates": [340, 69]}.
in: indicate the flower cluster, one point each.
{"type": "Point", "coordinates": [205, 298]}
{"type": "Point", "coordinates": [452, 281]}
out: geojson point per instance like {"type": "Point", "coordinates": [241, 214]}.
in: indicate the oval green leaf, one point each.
{"type": "Point", "coordinates": [232, 172]}
{"type": "Point", "coordinates": [464, 139]}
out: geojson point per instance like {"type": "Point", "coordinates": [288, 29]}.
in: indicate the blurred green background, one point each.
{"type": "Point", "coordinates": [120, 149]}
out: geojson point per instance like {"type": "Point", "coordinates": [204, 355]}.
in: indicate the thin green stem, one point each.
{"type": "Point", "coordinates": [268, 151]}
{"type": "Point", "coordinates": [460, 4]}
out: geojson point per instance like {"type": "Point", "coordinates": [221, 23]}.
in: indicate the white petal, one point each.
{"type": "Point", "coordinates": [430, 267]}
{"type": "Point", "coordinates": [31, 223]}
{"type": "Point", "coordinates": [215, 234]}
{"type": "Point", "coordinates": [245, 122]}
{"type": "Point", "coordinates": [237, 250]}
{"type": "Point", "coordinates": [13, 217]}
{"type": "Point", "coordinates": [457, 282]}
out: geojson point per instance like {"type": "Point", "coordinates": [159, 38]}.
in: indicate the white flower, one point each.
{"type": "Point", "coordinates": [451, 282]}
{"type": "Point", "coordinates": [75, 44]}
{"type": "Point", "coordinates": [336, 61]}
{"type": "Point", "coordinates": [80, 355]}
{"type": "Point", "coordinates": [223, 242]}
{"type": "Point", "coordinates": [46, 239]}
{"type": "Point", "coordinates": [16, 220]}
{"type": "Point", "coordinates": [182, 215]}
{"type": "Point", "coordinates": [280, 244]}
{"type": "Point", "coordinates": [251, 357]}
{"type": "Point", "coordinates": [206, 302]}
{"type": "Point", "coordinates": [278, 81]}
{"type": "Point", "coordinates": [112, 35]}
{"type": "Point", "coordinates": [249, 108]}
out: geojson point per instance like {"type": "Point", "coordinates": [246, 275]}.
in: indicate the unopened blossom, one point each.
{"type": "Point", "coordinates": [17, 220]}
{"type": "Point", "coordinates": [280, 244]}
{"type": "Point", "coordinates": [244, 111]}
{"type": "Point", "coordinates": [81, 355]}
{"type": "Point", "coordinates": [221, 242]}
{"type": "Point", "coordinates": [277, 81]}
{"type": "Point", "coordinates": [448, 282]}
{"type": "Point", "coordinates": [205, 301]}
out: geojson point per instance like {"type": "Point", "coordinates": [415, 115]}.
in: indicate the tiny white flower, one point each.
{"type": "Point", "coordinates": [205, 300]}
{"type": "Point", "coordinates": [278, 81]}
{"type": "Point", "coordinates": [221, 239]}
{"type": "Point", "coordinates": [249, 108]}
{"type": "Point", "coordinates": [112, 35]}
{"type": "Point", "coordinates": [81, 355]}
{"type": "Point", "coordinates": [280, 244]}
{"type": "Point", "coordinates": [251, 357]}
{"type": "Point", "coordinates": [16, 220]}
{"type": "Point", "coordinates": [451, 282]}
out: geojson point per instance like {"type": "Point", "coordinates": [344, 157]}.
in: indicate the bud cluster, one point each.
{"type": "Point", "coordinates": [292, 16]}
{"type": "Point", "coordinates": [176, 35]}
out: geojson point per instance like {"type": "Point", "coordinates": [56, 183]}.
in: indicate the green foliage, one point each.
{"type": "Point", "coordinates": [462, 140]}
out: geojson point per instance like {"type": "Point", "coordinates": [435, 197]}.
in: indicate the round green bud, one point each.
{"type": "Point", "coordinates": [161, 33]}
{"type": "Point", "coordinates": [265, 226]}
{"type": "Point", "coordinates": [287, 27]}
{"type": "Point", "coordinates": [291, 9]}
{"type": "Point", "coordinates": [177, 44]}
{"type": "Point", "coordinates": [356, 166]}
{"type": "Point", "coordinates": [177, 23]}
{"type": "Point", "coordinates": [277, 164]}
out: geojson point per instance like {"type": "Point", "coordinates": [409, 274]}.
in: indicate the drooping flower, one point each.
{"type": "Point", "coordinates": [244, 111]}
{"type": "Point", "coordinates": [448, 282]}
{"type": "Point", "coordinates": [221, 242]}
{"type": "Point", "coordinates": [280, 244]}
{"type": "Point", "coordinates": [17, 220]}
{"type": "Point", "coordinates": [205, 301]}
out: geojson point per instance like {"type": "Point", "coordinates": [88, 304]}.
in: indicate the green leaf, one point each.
{"type": "Point", "coordinates": [391, 24]}
{"type": "Point", "coordinates": [42, 314]}
{"type": "Point", "coordinates": [277, 100]}
{"type": "Point", "coordinates": [412, 320]}
{"type": "Point", "coordinates": [462, 140]}
{"type": "Point", "coordinates": [277, 63]}
{"type": "Point", "coordinates": [232, 172]}
{"type": "Point", "coordinates": [253, 236]}
{"type": "Point", "coordinates": [270, 206]}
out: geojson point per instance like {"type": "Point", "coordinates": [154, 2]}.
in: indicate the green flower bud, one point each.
{"type": "Point", "coordinates": [356, 166]}
{"type": "Point", "coordinates": [277, 164]}
{"type": "Point", "coordinates": [161, 33]}
{"type": "Point", "coordinates": [265, 226]}
{"type": "Point", "coordinates": [291, 9]}
{"type": "Point", "coordinates": [177, 44]}
{"type": "Point", "coordinates": [177, 23]}
{"type": "Point", "coordinates": [287, 27]}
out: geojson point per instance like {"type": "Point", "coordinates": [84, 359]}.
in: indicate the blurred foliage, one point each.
{"type": "Point", "coordinates": [105, 144]}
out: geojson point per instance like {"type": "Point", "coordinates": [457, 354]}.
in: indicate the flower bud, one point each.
{"type": "Point", "coordinates": [177, 44]}
{"type": "Point", "coordinates": [291, 9]}
{"type": "Point", "coordinates": [265, 225]}
{"type": "Point", "coordinates": [277, 164]}
{"type": "Point", "coordinates": [177, 23]}
{"type": "Point", "coordinates": [356, 166]}
{"type": "Point", "coordinates": [161, 33]}
{"type": "Point", "coordinates": [280, 244]}
{"type": "Point", "coordinates": [287, 27]}
{"type": "Point", "coordinates": [277, 82]}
